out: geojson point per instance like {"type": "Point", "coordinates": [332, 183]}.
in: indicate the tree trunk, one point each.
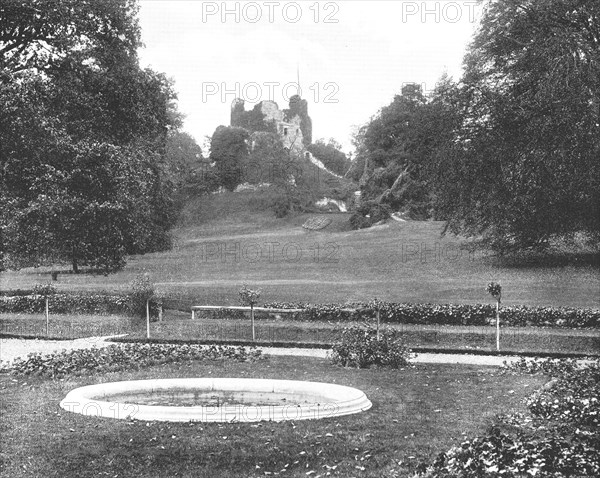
{"type": "Point", "coordinates": [74, 260]}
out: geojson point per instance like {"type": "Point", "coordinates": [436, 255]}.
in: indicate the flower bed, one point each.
{"type": "Point", "coordinates": [71, 303]}
{"type": "Point", "coordinates": [123, 357]}
{"type": "Point", "coordinates": [448, 314]}
{"type": "Point", "coordinates": [561, 437]}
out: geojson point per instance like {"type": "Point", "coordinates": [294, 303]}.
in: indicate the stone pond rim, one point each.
{"type": "Point", "coordinates": [279, 400]}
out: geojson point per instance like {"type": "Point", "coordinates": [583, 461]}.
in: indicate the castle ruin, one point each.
{"type": "Point", "coordinates": [292, 125]}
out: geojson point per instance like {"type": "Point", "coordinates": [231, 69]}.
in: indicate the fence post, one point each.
{"type": "Point", "coordinates": [252, 322]}
{"type": "Point", "coordinates": [148, 319]}
{"type": "Point", "coordinates": [47, 317]}
{"type": "Point", "coordinates": [498, 324]}
{"type": "Point", "coordinates": [378, 317]}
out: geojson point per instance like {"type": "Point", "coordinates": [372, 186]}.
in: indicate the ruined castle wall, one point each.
{"type": "Point", "coordinates": [288, 128]}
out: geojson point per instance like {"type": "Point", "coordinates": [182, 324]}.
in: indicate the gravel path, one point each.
{"type": "Point", "coordinates": [13, 348]}
{"type": "Point", "coordinates": [419, 358]}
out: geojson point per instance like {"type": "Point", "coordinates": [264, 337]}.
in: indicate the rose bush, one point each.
{"type": "Point", "coordinates": [359, 347]}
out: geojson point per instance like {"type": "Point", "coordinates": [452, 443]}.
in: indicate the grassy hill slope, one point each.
{"type": "Point", "coordinates": [228, 239]}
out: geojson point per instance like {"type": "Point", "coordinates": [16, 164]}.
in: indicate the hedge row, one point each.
{"type": "Point", "coordinates": [448, 314]}
{"type": "Point", "coordinates": [71, 303]}
{"type": "Point", "coordinates": [425, 314]}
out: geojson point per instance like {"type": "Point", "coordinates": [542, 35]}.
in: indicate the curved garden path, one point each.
{"type": "Point", "coordinates": [13, 348]}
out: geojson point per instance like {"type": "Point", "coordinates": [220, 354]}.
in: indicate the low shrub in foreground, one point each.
{"type": "Point", "coordinates": [359, 347]}
{"type": "Point", "coordinates": [560, 438]}
{"type": "Point", "coordinates": [123, 357]}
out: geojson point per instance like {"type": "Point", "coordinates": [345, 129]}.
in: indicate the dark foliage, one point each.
{"type": "Point", "coordinates": [359, 347]}
{"type": "Point", "coordinates": [560, 438]}
{"type": "Point", "coordinates": [229, 150]}
{"type": "Point", "coordinates": [451, 314]}
{"type": "Point", "coordinates": [123, 357]}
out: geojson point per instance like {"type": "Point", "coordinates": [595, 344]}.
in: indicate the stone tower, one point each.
{"type": "Point", "coordinates": [293, 125]}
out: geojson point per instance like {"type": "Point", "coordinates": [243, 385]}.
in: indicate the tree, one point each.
{"type": "Point", "coordinates": [358, 170]}
{"type": "Point", "coordinates": [522, 167]}
{"type": "Point", "coordinates": [40, 34]}
{"type": "Point", "coordinates": [268, 161]}
{"type": "Point", "coordinates": [82, 135]}
{"type": "Point", "coordinates": [229, 151]}
{"type": "Point", "coordinates": [330, 155]}
{"type": "Point", "coordinates": [397, 149]}
{"type": "Point", "coordinates": [183, 157]}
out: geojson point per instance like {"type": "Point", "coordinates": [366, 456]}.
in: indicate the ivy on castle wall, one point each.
{"type": "Point", "coordinates": [253, 120]}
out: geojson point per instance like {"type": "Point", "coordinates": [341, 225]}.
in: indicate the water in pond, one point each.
{"type": "Point", "coordinates": [187, 398]}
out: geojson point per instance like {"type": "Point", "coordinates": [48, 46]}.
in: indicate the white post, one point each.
{"type": "Point", "coordinates": [47, 318]}
{"type": "Point", "coordinates": [148, 319]}
{"type": "Point", "coordinates": [193, 314]}
{"type": "Point", "coordinates": [252, 322]}
{"type": "Point", "coordinates": [498, 324]}
{"type": "Point", "coordinates": [378, 323]}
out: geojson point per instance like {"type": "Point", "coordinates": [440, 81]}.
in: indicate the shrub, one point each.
{"type": "Point", "coordinates": [375, 211]}
{"type": "Point", "coordinates": [123, 357]}
{"type": "Point", "coordinates": [44, 289]}
{"type": "Point", "coordinates": [449, 314]}
{"type": "Point", "coordinates": [66, 304]}
{"type": "Point", "coordinates": [249, 296]}
{"type": "Point", "coordinates": [358, 221]}
{"type": "Point", "coordinates": [560, 439]}
{"type": "Point", "coordinates": [495, 290]}
{"type": "Point", "coordinates": [142, 290]}
{"type": "Point", "coordinates": [359, 347]}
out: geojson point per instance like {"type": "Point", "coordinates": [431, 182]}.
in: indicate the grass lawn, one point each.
{"type": "Point", "coordinates": [417, 412]}
{"type": "Point", "coordinates": [224, 241]}
{"type": "Point", "coordinates": [66, 326]}
{"type": "Point", "coordinates": [179, 326]}
{"type": "Point", "coordinates": [468, 338]}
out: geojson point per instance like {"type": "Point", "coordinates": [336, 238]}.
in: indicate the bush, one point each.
{"type": "Point", "coordinates": [375, 211]}
{"type": "Point", "coordinates": [66, 304]}
{"type": "Point", "coordinates": [44, 289]}
{"type": "Point", "coordinates": [560, 439]}
{"type": "Point", "coordinates": [449, 314]}
{"type": "Point", "coordinates": [287, 199]}
{"type": "Point", "coordinates": [359, 347]}
{"type": "Point", "coordinates": [249, 296]}
{"type": "Point", "coordinates": [123, 357]}
{"type": "Point", "coordinates": [281, 206]}
{"type": "Point", "coordinates": [358, 221]}
{"type": "Point", "coordinates": [142, 290]}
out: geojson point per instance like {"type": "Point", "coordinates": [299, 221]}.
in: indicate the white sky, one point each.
{"type": "Point", "coordinates": [353, 56]}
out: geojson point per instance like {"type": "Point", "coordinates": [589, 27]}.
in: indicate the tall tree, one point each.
{"type": "Point", "coordinates": [229, 151]}
{"type": "Point", "coordinates": [523, 165]}
{"type": "Point", "coordinates": [82, 132]}
{"type": "Point", "coordinates": [183, 158]}
{"type": "Point", "coordinates": [397, 149]}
